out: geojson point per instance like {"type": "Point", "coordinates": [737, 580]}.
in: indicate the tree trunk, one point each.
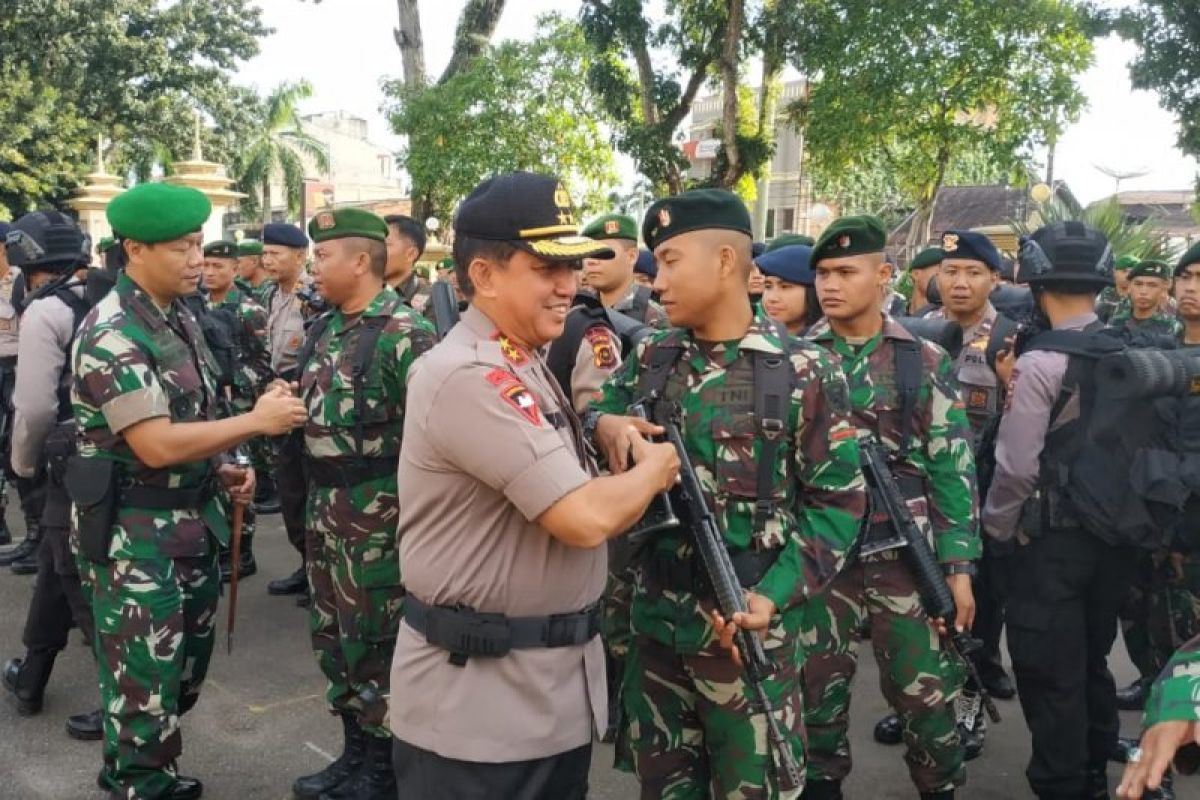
{"type": "Point", "coordinates": [411, 44]}
{"type": "Point", "coordinates": [729, 100]}
{"type": "Point", "coordinates": [266, 199]}
{"type": "Point", "coordinates": [476, 25]}
{"type": "Point", "coordinates": [768, 97]}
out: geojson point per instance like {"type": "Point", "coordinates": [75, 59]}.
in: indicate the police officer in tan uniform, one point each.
{"type": "Point", "coordinates": [502, 522]}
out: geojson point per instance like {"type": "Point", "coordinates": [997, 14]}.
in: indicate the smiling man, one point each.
{"type": "Point", "coordinates": [502, 523]}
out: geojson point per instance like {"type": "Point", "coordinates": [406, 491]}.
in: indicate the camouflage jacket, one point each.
{"type": "Point", "coordinates": [818, 488]}
{"type": "Point", "coordinates": [134, 361]}
{"type": "Point", "coordinates": [260, 294]}
{"type": "Point", "coordinates": [327, 387]}
{"type": "Point", "coordinates": [416, 292]}
{"type": "Point", "coordinates": [654, 315]}
{"type": "Point", "coordinates": [1158, 323]}
{"type": "Point", "coordinates": [941, 456]}
{"type": "Point", "coordinates": [1175, 695]}
{"type": "Point", "coordinates": [253, 369]}
{"type": "Point", "coordinates": [1109, 302]}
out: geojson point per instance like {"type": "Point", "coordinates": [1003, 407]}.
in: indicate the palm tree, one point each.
{"type": "Point", "coordinates": [278, 147]}
{"type": "Point", "coordinates": [1143, 240]}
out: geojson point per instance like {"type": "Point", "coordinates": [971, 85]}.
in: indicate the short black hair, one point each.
{"type": "Point", "coordinates": [410, 229]}
{"type": "Point", "coordinates": [468, 248]}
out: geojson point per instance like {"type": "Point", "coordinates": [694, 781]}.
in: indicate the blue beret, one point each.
{"type": "Point", "coordinates": [645, 263]}
{"type": "Point", "coordinates": [792, 263]}
{"type": "Point", "coordinates": [972, 246]}
{"type": "Point", "coordinates": [284, 235]}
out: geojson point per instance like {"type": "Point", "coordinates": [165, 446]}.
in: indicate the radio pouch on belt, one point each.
{"type": "Point", "coordinates": [93, 486]}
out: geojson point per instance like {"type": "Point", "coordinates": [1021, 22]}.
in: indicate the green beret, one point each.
{"type": "Point", "coordinates": [612, 226]}
{"type": "Point", "coordinates": [787, 240]}
{"type": "Point", "coordinates": [1192, 256]}
{"type": "Point", "coordinates": [929, 257]}
{"type": "Point", "coordinates": [1125, 262]}
{"type": "Point", "coordinates": [446, 263]}
{"type": "Point", "coordinates": [106, 242]}
{"type": "Point", "coordinates": [1151, 268]}
{"type": "Point", "coordinates": [345, 223]}
{"type": "Point", "coordinates": [851, 236]}
{"type": "Point", "coordinates": [250, 247]}
{"type": "Point", "coordinates": [158, 212]}
{"type": "Point", "coordinates": [697, 210]}
{"type": "Point", "coordinates": [222, 248]}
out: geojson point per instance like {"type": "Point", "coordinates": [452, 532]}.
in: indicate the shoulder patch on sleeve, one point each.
{"type": "Point", "coordinates": [604, 354]}
{"type": "Point", "coordinates": [522, 401]}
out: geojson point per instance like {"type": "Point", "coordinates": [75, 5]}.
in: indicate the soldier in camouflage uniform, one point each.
{"type": "Point", "coordinates": [252, 276]}
{"type": "Point", "coordinates": [612, 278]}
{"type": "Point", "coordinates": [355, 395]}
{"type": "Point", "coordinates": [929, 441]}
{"type": "Point", "coordinates": [691, 726]}
{"type": "Point", "coordinates": [248, 322]}
{"type": "Point", "coordinates": [1116, 297]}
{"type": "Point", "coordinates": [149, 515]}
{"type": "Point", "coordinates": [405, 244]}
{"type": "Point", "coordinates": [1149, 288]}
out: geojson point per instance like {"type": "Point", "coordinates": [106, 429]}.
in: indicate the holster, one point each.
{"type": "Point", "coordinates": [93, 485]}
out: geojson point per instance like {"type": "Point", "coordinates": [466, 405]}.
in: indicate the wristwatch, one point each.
{"type": "Point", "coordinates": [588, 422]}
{"type": "Point", "coordinates": [961, 568]}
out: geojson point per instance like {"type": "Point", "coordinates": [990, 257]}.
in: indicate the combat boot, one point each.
{"type": "Point", "coordinates": [375, 781]}
{"type": "Point", "coordinates": [889, 730]}
{"type": "Point", "coordinates": [1133, 696]}
{"type": "Point", "coordinates": [822, 790]}
{"type": "Point", "coordinates": [23, 550]}
{"type": "Point", "coordinates": [347, 765]}
{"type": "Point", "coordinates": [87, 727]}
{"type": "Point", "coordinates": [295, 583]}
{"type": "Point", "coordinates": [27, 563]}
{"type": "Point", "coordinates": [27, 677]}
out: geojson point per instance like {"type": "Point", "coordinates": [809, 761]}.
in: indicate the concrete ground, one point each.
{"type": "Point", "coordinates": [261, 720]}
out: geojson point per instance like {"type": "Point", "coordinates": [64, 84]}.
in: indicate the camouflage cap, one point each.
{"type": "Point", "coordinates": [345, 223]}
{"type": "Point", "coordinates": [250, 247]}
{"type": "Point", "coordinates": [222, 248]}
{"type": "Point", "coordinates": [611, 226]}
{"type": "Point", "coordinates": [158, 212]}
{"type": "Point", "coordinates": [1192, 256]}
{"type": "Point", "coordinates": [697, 210]}
{"type": "Point", "coordinates": [1151, 268]}
{"type": "Point", "coordinates": [850, 236]}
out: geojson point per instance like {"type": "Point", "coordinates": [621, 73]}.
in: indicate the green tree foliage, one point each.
{"type": "Point", "coordinates": [519, 105]}
{"type": "Point", "coordinates": [1167, 33]}
{"type": "Point", "coordinates": [1142, 240]}
{"type": "Point", "coordinates": [276, 151]}
{"type": "Point", "coordinates": [913, 85]}
{"type": "Point", "coordinates": [133, 71]}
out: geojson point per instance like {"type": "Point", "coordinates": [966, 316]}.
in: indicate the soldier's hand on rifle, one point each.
{"type": "Point", "coordinates": [1156, 750]}
{"type": "Point", "coordinates": [615, 436]}
{"type": "Point", "coordinates": [661, 458]}
{"type": "Point", "coordinates": [278, 411]}
{"type": "Point", "coordinates": [756, 618]}
{"type": "Point", "coordinates": [291, 388]}
{"type": "Point", "coordinates": [964, 604]}
{"type": "Point", "coordinates": [239, 481]}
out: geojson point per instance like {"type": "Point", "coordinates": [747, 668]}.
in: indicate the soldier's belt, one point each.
{"type": "Point", "coordinates": [465, 632]}
{"type": "Point", "coordinates": [161, 498]}
{"type": "Point", "coordinates": [339, 473]}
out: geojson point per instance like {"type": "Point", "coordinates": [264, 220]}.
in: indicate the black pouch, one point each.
{"type": "Point", "coordinates": [93, 485]}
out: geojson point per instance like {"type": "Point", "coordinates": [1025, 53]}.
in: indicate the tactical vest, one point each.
{"type": "Point", "coordinates": [982, 393]}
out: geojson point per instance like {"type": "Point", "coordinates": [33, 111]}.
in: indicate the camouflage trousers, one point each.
{"type": "Point", "coordinates": [1162, 609]}
{"type": "Point", "coordinates": [878, 591]}
{"type": "Point", "coordinates": [691, 727]}
{"type": "Point", "coordinates": [354, 617]}
{"type": "Point", "coordinates": [154, 637]}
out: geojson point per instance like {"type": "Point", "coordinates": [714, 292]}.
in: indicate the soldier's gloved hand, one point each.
{"type": "Point", "coordinates": [615, 436]}
{"type": "Point", "coordinates": [278, 412]}
{"type": "Point", "coordinates": [964, 604]}
{"type": "Point", "coordinates": [661, 459]}
{"type": "Point", "coordinates": [1158, 746]}
{"type": "Point", "coordinates": [756, 618]}
{"type": "Point", "coordinates": [239, 481]}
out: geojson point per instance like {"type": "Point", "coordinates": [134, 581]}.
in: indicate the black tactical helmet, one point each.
{"type": "Point", "coordinates": [46, 240]}
{"type": "Point", "coordinates": [1065, 252]}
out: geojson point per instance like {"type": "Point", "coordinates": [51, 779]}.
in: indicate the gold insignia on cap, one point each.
{"type": "Point", "coordinates": [563, 201]}
{"type": "Point", "coordinates": [664, 217]}
{"type": "Point", "coordinates": [950, 242]}
{"type": "Point", "coordinates": [612, 226]}
{"type": "Point", "coordinates": [326, 221]}
{"type": "Point", "coordinates": [844, 241]}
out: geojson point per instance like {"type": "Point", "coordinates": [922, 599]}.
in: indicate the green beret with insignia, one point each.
{"type": "Point", "coordinates": [105, 244]}
{"type": "Point", "coordinates": [222, 248]}
{"type": "Point", "coordinates": [345, 223]}
{"type": "Point", "coordinates": [1125, 263]}
{"type": "Point", "coordinates": [929, 257]}
{"type": "Point", "coordinates": [789, 240]}
{"type": "Point", "coordinates": [250, 247]}
{"type": "Point", "coordinates": [851, 236]}
{"type": "Point", "coordinates": [697, 210]}
{"type": "Point", "coordinates": [612, 226]}
{"type": "Point", "coordinates": [158, 212]}
{"type": "Point", "coordinates": [1151, 268]}
{"type": "Point", "coordinates": [1192, 256]}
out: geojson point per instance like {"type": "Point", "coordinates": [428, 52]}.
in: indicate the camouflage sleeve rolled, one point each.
{"type": "Point", "coordinates": [1175, 694]}
{"type": "Point", "coordinates": [830, 490]}
{"type": "Point", "coordinates": [950, 470]}
{"type": "Point", "coordinates": [115, 383]}
{"type": "Point", "coordinates": [258, 357]}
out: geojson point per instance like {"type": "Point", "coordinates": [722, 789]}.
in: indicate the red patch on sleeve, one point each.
{"type": "Point", "coordinates": [843, 435]}
{"type": "Point", "coordinates": [522, 401]}
{"type": "Point", "coordinates": [499, 377]}
{"type": "Point", "coordinates": [604, 354]}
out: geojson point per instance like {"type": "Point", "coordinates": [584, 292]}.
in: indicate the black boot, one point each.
{"type": "Point", "coordinates": [295, 583]}
{"type": "Point", "coordinates": [27, 564]}
{"type": "Point", "coordinates": [347, 765]}
{"type": "Point", "coordinates": [87, 727]}
{"type": "Point", "coordinates": [1133, 696]}
{"type": "Point", "coordinates": [822, 790]}
{"type": "Point", "coordinates": [999, 685]}
{"type": "Point", "coordinates": [375, 781]}
{"type": "Point", "coordinates": [889, 730]}
{"type": "Point", "coordinates": [22, 550]}
{"type": "Point", "coordinates": [27, 678]}
{"type": "Point", "coordinates": [266, 496]}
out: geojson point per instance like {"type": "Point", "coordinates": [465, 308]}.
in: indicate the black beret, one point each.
{"type": "Point", "coordinates": [971, 246]}
{"type": "Point", "coordinates": [284, 234]}
{"type": "Point", "coordinates": [697, 210]}
{"type": "Point", "coordinates": [1192, 256]}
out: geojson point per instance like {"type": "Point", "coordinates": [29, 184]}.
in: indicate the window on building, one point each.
{"type": "Point", "coordinates": [787, 220]}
